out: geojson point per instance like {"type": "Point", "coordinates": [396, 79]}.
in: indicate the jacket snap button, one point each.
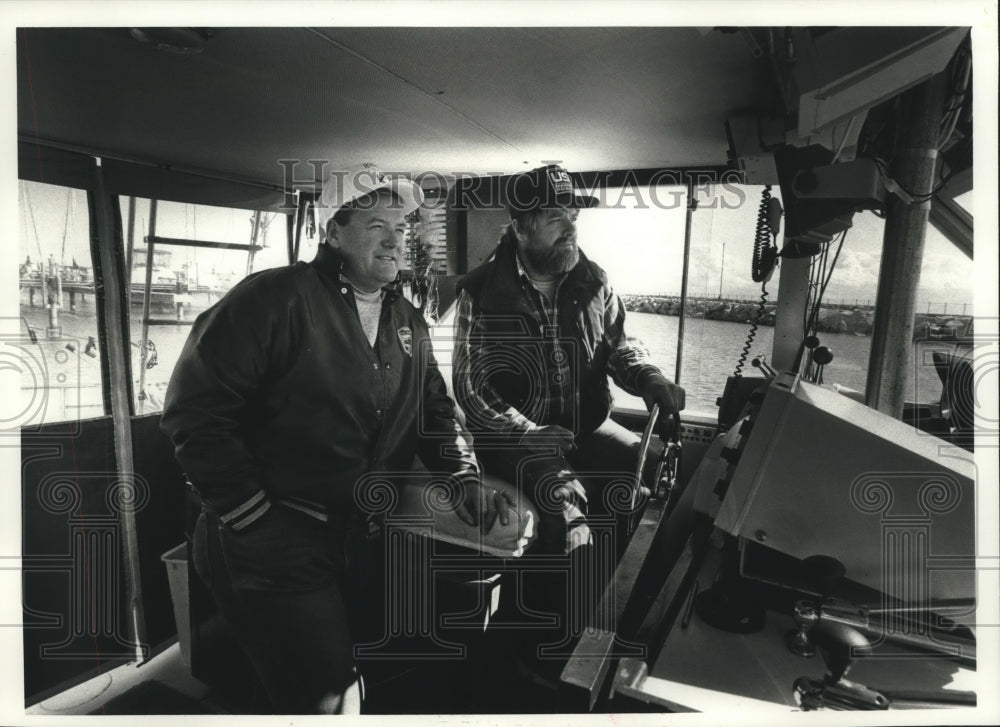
{"type": "Point", "coordinates": [344, 291]}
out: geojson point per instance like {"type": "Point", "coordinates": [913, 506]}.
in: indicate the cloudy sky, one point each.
{"type": "Point", "coordinates": [641, 249]}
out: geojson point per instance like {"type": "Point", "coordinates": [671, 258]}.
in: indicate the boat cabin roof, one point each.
{"type": "Point", "coordinates": [242, 103]}
{"type": "Point", "coordinates": [450, 100]}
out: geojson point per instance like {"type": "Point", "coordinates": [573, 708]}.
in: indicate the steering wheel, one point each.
{"type": "Point", "coordinates": [667, 467]}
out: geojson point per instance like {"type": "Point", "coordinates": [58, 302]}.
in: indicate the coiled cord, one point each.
{"type": "Point", "coordinates": [758, 314]}
{"type": "Point", "coordinates": [765, 253]}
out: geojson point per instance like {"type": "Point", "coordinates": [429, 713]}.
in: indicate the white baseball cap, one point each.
{"type": "Point", "coordinates": [346, 185]}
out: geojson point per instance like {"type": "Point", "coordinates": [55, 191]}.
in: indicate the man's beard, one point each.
{"type": "Point", "coordinates": [555, 260]}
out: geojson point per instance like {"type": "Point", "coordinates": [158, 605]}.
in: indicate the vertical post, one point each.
{"type": "Point", "coordinates": [52, 297]}
{"type": "Point", "coordinates": [131, 243]}
{"type": "Point", "coordinates": [53, 333]}
{"type": "Point", "coordinates": [146, 300]}
{"type": "Point", "coordinates": [113, 319]}
{"type": "Point", "coordinates": [692, 205]}
{"type": "Point", "coordinates": [254, 230]}
{"type": "Point", "coordinates": [293, 232]}
{"type": "Point", "coordinates": [722, 269]}
{"type": "Point", "coordinates": [903, 245]}
{"type": "Point", "coordinates": [789, 318]}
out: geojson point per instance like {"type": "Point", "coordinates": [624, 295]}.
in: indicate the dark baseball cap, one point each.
{"type": "Point", "coordinates": [549, 186]}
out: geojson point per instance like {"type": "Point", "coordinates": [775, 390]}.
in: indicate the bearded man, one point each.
{"type": "Point", "coordinates": [538, 332]}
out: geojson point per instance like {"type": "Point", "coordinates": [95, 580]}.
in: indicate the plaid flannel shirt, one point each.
{"type": "Point", "coordinates": [628, 363]}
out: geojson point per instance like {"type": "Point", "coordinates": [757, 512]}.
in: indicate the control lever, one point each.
{"type": "Point", "coordinates": [819, 357]}
{"type": "Point", "coordinates": [798, 642]}
{"type": "Point", "coordinates": [839, 645]}
{"type": "Point", "coordinates": [761, 363]}
{"type": "Point", "coordinates": [841, 631]}
{"type": "Point", "coordinates": [822, 572]}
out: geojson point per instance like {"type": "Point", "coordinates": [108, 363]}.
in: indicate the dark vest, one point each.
{"type": "Point", "coordinates": [511, 352]}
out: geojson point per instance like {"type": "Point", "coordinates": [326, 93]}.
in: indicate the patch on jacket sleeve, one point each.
{"type": "Point", "coordinates": [406, 339]}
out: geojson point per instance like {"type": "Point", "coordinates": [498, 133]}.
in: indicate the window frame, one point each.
{"type": "Point", "coordinates": [151, 240]}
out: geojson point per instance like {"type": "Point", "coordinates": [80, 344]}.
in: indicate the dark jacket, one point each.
{"type": "Point", "coordinates": [278, 395]}
{"type": "Point", "coordinates": [505, 359]}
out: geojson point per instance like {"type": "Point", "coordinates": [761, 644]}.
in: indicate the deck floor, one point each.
{"type": "Point", "coordinates": [163, 685]}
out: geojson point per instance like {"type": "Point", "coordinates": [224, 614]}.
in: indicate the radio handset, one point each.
{"type": "Point", "coordinates": [765, 260]}
{"type": "Point", "coordinates": [765, 251]}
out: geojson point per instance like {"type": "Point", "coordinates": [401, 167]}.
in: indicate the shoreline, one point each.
{"type": "Point", "coordinates": [855, 319]}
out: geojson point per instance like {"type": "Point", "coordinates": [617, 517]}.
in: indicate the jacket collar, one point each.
{"type": "Point", "coordinates": [330, 263]}
{"type": "Point", "coordinates": [506, 283]}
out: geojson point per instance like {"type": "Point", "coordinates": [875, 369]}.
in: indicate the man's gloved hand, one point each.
{"type": "Point", "coordinates": [543, 439]}
{"type": "Point", "coordinates": [658, 389]}
{"type": "Point", "coordinates": [481, 505]}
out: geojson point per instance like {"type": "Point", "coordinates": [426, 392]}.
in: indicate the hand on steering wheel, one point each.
{"type": "Point", "coordinates": [670, 398]}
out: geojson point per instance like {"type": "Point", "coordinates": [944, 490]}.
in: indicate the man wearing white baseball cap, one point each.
{"type": "Point", "coordinates": [355, 185]}
{"type": "Point", "coordinates": [289, 394]}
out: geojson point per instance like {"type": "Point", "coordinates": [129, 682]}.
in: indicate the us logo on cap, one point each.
{"type": "Point", "coordinates": [406, 339]}
{"type": "Point", "coordinates": [561, 183]}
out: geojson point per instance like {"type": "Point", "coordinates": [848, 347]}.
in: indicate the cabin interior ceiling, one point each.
{"type": "Point", "coordinates": [448, 100]}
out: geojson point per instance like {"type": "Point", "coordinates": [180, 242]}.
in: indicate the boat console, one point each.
{"type": "Point", "coordinates": [820, 557]}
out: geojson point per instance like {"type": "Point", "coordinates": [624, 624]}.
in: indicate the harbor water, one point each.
{"type": "Point", "coordinates": [711, 353]}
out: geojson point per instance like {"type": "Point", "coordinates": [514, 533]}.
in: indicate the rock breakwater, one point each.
{"type": "Point", "coordinates": [857, 320]}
